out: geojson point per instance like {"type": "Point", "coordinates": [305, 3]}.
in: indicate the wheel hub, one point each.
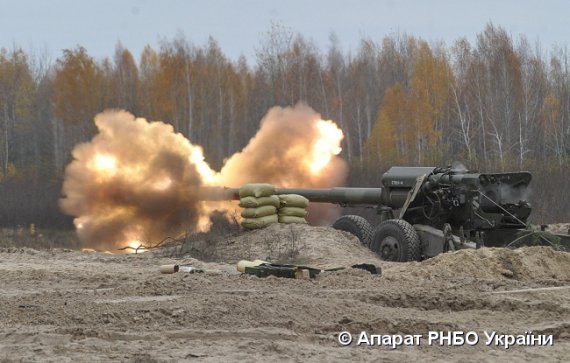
{"type": "Point", "coordinates": [390, 249]}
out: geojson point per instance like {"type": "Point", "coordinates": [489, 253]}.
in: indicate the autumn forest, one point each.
{"type": "Point", "coordinates": [497, 103]}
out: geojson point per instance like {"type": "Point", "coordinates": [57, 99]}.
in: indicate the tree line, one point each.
{"type": "Point", "coordinates": [496, 104]}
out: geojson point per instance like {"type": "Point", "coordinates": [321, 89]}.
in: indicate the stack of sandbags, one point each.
{"type": "Point", "coordinates": [260, 203]}
{"type": "Point", "coordinates": [292, 208]}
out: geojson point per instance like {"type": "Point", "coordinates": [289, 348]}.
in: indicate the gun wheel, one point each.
{"type": "Point", "coordinates": [396, 240]}
{"type": "Point", "coordinates": [356, 225]}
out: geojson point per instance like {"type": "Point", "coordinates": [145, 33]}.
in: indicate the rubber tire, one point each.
{"type": "Point", "coordinates": [404, 237]}
{"type": "Point", "coordinates": [356, 225]}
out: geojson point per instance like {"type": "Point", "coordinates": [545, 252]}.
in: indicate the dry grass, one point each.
{"type": "Point", "coordinates": [203, 245]}
{"type": "Point", "coordinates": [39, 239]}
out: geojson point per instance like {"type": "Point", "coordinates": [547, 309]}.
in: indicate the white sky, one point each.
{"type": "Point", "coordinates": [239, 25]}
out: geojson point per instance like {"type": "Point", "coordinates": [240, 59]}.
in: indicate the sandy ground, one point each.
{"type": "Point", "coordinates": [69, 306]}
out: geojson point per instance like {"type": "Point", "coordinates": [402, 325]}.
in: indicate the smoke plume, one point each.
{"type": "Point", "coordinates": [138, 181]}
{"type": "Point", "coordinates": [293, 148]}
{"type": "Point", "coordinates": [135, 181]}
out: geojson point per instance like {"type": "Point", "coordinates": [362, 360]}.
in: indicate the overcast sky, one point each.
{"type": "Point", "coordinates": [239, 25]}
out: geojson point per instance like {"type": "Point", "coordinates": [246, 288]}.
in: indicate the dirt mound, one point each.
{"type": "Point", "coordinates": [527, 263]}
{"type": "Point", "coordinates": [322, 247]}
{"type": "Point", "coordinates": [325, 247]}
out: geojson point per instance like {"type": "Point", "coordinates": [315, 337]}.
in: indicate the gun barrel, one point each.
{"type": "Point", "coordinates": [338, 195]}
{"type": "Point", "coordinates": [349, 196]}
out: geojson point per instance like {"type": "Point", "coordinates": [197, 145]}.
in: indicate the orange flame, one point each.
{"type": "Point", "coordinates": [325, 147]}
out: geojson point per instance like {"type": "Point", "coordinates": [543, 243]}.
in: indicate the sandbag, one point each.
{"type": "Point", "coordinates": [293, 200]}
{"type": "Point", "coordinates": [253, 202]}
{"type": "Point", "coordinates": [256, 190]}
{"type": "Point", "coordinates": [266, 210]}
{"type": "Point", "coordinates": [293, 212]}
{"type": "Point", "coordinates": [291, 220]}
{"type": "Point", "coordinates": [256, 223]}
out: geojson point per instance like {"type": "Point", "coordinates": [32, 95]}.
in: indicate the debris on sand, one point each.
{"type": "Point", "coordinates": [325, 247]}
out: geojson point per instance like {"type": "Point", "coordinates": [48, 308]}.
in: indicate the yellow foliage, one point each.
{"type": "Point", "coordinates": [389, 137]}
{"type": "Point", "coordinates": [430, 94]}
{"type": "Point", "coordinates": [551, 111]}
{"type": "Point", "coordinates": [410, 124]}
{"type": "Point", "coordinates": [77, 87]}
{"type": "Point", "coordinates": [11, 172]}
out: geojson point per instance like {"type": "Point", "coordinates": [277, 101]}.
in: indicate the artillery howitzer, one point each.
{"type": "Point", "coordinates": [438, 210]}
